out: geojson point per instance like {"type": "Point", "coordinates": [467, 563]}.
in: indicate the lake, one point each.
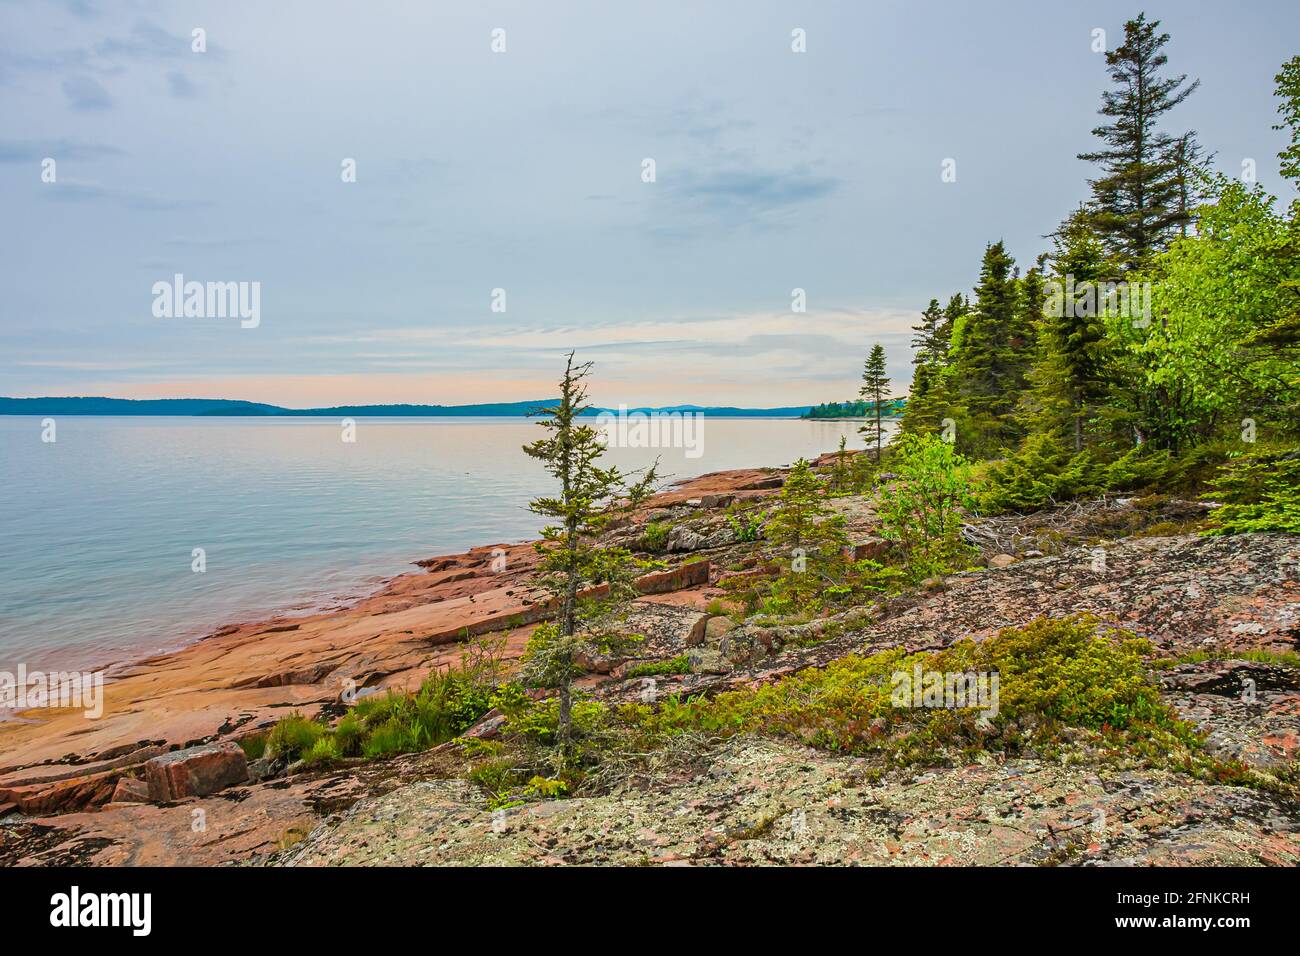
{"type": "Point", "coordinates": [100, 526]}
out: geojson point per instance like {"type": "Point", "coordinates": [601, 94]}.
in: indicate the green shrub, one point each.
{"type": "Point", "coordinates": [747, 525]}
{"type": "Point", "coordinates": [655, 536]}
{"type": "Point", "coordinates": [676, 665]}
{"type": "Point", "coordinates": [324, 751]}
{"type": "Point", "coordinates": [920, 509]}
{"type": "Point", "coordinates": [293, 736]}
{"type": "Point", "coordinates": [448, 703]}
{"type": "Point", "coordinates": [349, 733]}
{"type": "Point", "coordinates": [1258, 492]}
{"type": "Point", "coordinates": [1052, 674]}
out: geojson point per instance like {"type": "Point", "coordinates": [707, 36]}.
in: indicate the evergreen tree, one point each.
{"type": "Point", "coordinates": [1135, 203]}
{"type": "Point", "coordinates": [1191, 173]}
{"type": "Point", "coordinates": [926, 341]}
{"type": "Point", "coordinates": [991, 357]}
{"type": "Point", "coordinates": [1076, 348]}
{"type": "Point", "coordinates": [810, 532]}
{"type": "Point", "coordinates": [875, 389]}
{"type": "Point", "coordinates": [571, 555]}
{"type": "Point", "coordinates": [956, 308]}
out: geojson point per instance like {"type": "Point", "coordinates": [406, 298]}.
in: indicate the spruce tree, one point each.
{"type": "Point", "coordinates": [926, 341]}
{"type": "Point", "coordinates": [956, 308]}
{"type": "Point", "coordinates": [572, 556]}
{"type": "Point", "coordinates": [875, 389]}
{"type": "Point", "coordinates": [1076, 330]}
{"type": "Point", "coordinates": [991, 358]}
{"type": "Point", "coordinates": [1135, 201]}
{"type": "Point", "coordinates": [809, 532]}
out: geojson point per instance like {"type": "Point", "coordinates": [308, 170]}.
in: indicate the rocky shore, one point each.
{"type": "Point", "coordinates": [158, 780]}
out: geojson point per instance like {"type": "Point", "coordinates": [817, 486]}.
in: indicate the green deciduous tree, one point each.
{"type": "Point", "coordinates": [920, 509]}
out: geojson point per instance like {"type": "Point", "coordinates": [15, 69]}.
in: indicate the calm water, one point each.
{"type": "Point", "coordinates": [99, 527]}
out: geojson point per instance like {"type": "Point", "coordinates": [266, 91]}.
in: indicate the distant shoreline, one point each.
{"type": "Point", "coordinates": [227, 408]}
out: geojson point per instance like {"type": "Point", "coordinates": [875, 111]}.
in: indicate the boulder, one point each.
{"type": "Point", "coordinates": [717, 626]}
{"type": "Point", "coordinates": [196, 771]}
{"type": "Point", "coordinates": [130, 790]}
{"type": "Point", "coordinates": [674, 579]}
{"type": "Point", "coordinates": [873, 548]}
{"type": "Point", "coordinates": [1002, 561]}
{"type": "Point", "coordinates": [684, 539]}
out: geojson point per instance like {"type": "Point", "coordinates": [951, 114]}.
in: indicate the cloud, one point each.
{"type": "Point", "coordinates": [749, 190]}
{"type": "Point", "coordinates": [85, 191]}
{"type": "Point", "coordinates": [181, 86]}
{"type": "Point", "coordinates": [86, 93]}
{"type": "Point", "coordinates": [33, 151]}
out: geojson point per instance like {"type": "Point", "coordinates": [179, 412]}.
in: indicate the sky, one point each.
{"type": "Point", "coordinates": [500, 213]}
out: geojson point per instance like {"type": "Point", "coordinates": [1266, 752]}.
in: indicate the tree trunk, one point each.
{"type": "Point", "coordinates": [564, 726]}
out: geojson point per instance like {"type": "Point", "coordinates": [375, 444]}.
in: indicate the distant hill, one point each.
{"type": "Point", "coordinates": [220, 407]}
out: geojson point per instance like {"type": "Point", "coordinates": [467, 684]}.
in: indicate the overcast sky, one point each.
{"type": "Point", "coordinates": [522, 171]}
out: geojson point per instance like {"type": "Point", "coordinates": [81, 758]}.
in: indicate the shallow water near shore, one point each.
{"type": "Point", "coordinates": [99, 527]}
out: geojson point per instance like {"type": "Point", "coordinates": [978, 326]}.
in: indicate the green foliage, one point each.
{"type": "Point", "coordinates": [571, 556]}
{"type": "Point", "coordinates": [681, 664]}
{"type": "Point", "coordinates": [449, 702]}
{"type": "Point", "coordinates": [254, 747]}
{"type": "Point", "coordinates": [546, 788]}
{"type": "Point", "coordinates": [1288, 91]}
{"type": "Point", "coordinates": [991, 358]}
{"type": "Point", "coordinates": [875, 390]}
{"type": "Point", "coordinates": [810, 536]}
{"type": "Point", "coordinates": [1052, 675]}
{"type": "Point", "coordinates": [321, 753]}
{"type": "Point", "coordinates": [854, 408]}
{"type": "Point", "coordinates": [655, 535]}
{"type": "Point", "coordinates": [746, 523]}
{"type": "Point", "coordinates": [1046, 472]}
{"type": "Point", "coordinates": [920, 510]}
{"type": "Point", "coordinates": [349, 734]}
{"type": "Point", "coordinates": [1259, 491]}
{"type": "Point", "coordinates": [292, 736]}
{"type": "Point", "coordinates": [1136, 200]}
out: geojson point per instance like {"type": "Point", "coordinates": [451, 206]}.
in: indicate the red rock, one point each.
{"type": "Point", "coordinates": [196, 771]}
{"type": "Point", "coordinates": [674, 579]}
{"type": "Point", "coordinates": [873, 548]}
{"type": "Point", "coordinates": [130, 790]}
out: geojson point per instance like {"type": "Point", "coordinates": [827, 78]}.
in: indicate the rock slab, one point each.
{"type": "Point", "coordinates": [196, 771]}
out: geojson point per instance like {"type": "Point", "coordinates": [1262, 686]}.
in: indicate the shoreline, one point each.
{"type": "Point", "coordinates": [243, 676]}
